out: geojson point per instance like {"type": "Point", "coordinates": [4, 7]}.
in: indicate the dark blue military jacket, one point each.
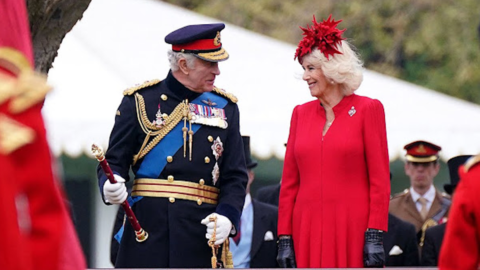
{"type": "Point", "coordinates": [176, 237]}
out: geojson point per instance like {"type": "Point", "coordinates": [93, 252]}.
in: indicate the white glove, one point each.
{"type": "Point", "coordinates": [224, 226]}
{"type": "Point", "coordinates": [115, 193]}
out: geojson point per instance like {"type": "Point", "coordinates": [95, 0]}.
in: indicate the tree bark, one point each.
{"type": "Point", "coordinates": [50, 21]}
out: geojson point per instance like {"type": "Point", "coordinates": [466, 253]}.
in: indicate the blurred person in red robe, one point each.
{"type": "Point", "coordinates": [37, 230]}
{"type": "Point", "coordinates": [461, 245]}
{"type": "Point", "coordinates": [335, 190]}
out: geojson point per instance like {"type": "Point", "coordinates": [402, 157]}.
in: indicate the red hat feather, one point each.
{"type": "Point", "coordinates": [324, 35]}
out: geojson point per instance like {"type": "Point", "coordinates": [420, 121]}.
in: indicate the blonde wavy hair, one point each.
{"type": "Point", "coordinates": [346, 69]}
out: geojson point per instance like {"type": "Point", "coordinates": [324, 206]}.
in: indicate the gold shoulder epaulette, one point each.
{"type": "Point", "coordinates": [405, 191]}
{"type": "Point", "coordinates": [472, 162]}
{"type": "Point", "coordinates": [224, 93]}
{"type": "Point", "coordinates": [135, 88]}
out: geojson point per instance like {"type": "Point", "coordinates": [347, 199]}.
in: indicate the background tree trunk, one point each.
{"type": "Point", "coordinates": [50, 21]}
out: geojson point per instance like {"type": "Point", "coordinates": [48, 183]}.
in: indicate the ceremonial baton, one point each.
{"type": "Point", "coordinates": [140, 234]}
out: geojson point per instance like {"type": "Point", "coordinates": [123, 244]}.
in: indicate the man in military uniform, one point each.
{"type": "Point", "coordinates": [461, 246]}
{"type": "Point", "coordinates": [181, 138]}
{"type": "Point", "coordinates": [422, 205]}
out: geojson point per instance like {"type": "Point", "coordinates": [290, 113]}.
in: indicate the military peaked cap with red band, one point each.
{"type": "Point", "coordinates": [201, 40]}
{"type": "Point", "coordinates": [422, 151]}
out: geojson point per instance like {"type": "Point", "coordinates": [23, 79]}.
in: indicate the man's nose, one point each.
{"type": "Point", "coordinates": [216, 69]}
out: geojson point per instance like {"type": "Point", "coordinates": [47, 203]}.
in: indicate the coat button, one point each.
{"type": "Point", "coordinates": [202, 182]}
{"type": "Point", "coordinates": [170, 178]}
{"type": "Point", "coordinates": [169, 159]}
{"type": "Point", "coordinates": [171, 199]}
{"type": "Point", "coordinates": [207, 160]}
{"type": "Point", "coordinates": [164, 97]}
{"type": "Point", "coordinates": [199, 202]}
{"type": "Point", "coordinates": [164, 115]}
{"type": "Point", "coordinates": [210, 138]}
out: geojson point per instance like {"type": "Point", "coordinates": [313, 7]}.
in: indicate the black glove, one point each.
{"type": "Point", "coordinates": [286, 254]}
{"type": "Point", "coordinates": [373, 253]}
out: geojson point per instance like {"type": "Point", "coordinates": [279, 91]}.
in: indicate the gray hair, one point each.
{"type": "Point", "coordinates": [345, 69]}
{"type": "Point", "coordinates": [173, 58]}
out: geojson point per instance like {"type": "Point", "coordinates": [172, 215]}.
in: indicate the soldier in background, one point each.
{"type": "Point", "coordinates": [461, 246]}
{"type": "Point", "coordinates": [434, 235]}
{"type": "Point", "coordinates": [421, 204]}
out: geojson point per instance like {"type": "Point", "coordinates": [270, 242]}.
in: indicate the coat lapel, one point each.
{"type": "Point", "coordinates": [258, 230]}
{"type": "Point", "coordinates": [389, 238]}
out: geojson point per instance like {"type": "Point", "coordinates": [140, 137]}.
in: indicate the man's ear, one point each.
{"type": "Point", "coordinates": [182, 65]}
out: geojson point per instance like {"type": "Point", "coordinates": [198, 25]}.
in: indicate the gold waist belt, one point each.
{"type": "Point", "coordinates": [177, 189]}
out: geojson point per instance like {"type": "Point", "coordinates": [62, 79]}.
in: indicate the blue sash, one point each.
{"type": "Point", "coordinates": [154, 162]}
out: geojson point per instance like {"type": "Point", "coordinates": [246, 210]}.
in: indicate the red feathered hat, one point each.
{"type": "Point", "coordinates": [324, 35]}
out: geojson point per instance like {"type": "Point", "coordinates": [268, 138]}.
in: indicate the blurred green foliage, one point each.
{"type": "Point", "coordinates": [430, 43]}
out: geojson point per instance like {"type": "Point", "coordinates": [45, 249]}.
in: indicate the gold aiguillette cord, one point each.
{"type": "Point", "coordinates": [185, 129]}
{"type": "Point", "coordinates": [211, 242]}
{"type": "Point", "coordinates": [187, 116]}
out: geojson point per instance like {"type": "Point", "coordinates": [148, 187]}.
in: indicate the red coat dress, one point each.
{"type": "Point", "coordinates": [335, 186]}
{"type": "Point", "coordinates": [461, 245]}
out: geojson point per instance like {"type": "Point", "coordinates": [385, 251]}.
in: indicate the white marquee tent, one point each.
{"type": "Point", "coordinates": [119, 43]}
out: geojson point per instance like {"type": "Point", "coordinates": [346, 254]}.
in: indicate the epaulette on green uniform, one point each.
{"type": "Point", "coordinates": [224, 93]}
{"type": "Point", "coordinates": [472, 162]}
{"type": "Point", "coordinates": [446, 195]}
{"type": "Point", "coordinates": [400, 194]}
{"type": "Point", "coordinates": [135, 88]}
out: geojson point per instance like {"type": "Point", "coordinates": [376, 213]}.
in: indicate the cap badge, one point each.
{"type": "Point", "coordinates": [352, 111]}
{"type": "Point", "coordinates": [217, 40]}
{"type": "Point", "coordinates": [421, 149]}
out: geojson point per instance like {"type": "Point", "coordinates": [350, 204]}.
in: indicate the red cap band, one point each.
{"type": "Point", "coordinates": [198, 45]}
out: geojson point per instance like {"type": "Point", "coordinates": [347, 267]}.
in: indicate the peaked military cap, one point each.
{"type": "Point", "coordinates": [201, 40]}
{"type": "Point", "coordinates": [422, 151]}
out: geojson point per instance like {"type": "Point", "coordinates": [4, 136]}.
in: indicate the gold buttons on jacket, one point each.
{"type": "Point", "coordinates": [164, 115]}
{"type": "Point", "coordinates": [201, 182]}
{"type": "Point", "coordinates": [210, 138]}
{"type": "Point", "coordinates": [164, 97]}
{"type": "Point", "coordinates": [169, 159]}
{"type": "Point", "coordinates": [199, 202]}
{"type": "Point", "coordinates": [207, 160]}
{"type": "Point", "coordinates": [170, 178]}
{"type": "Point", "coordinates": [171, 199]}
